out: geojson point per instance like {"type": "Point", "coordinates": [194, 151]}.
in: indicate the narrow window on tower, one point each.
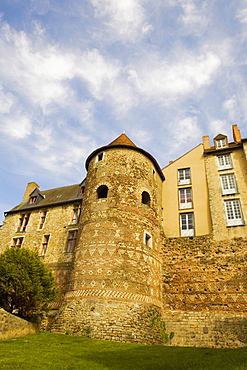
{"type": "Point", "coordinates": [146, 198]}
{"type": "Point", "coordinates": [100, 157]}
{"type": "Point", "coordinates": [147, 239]}
{"type": "Point", "coordinates": [102, 192]}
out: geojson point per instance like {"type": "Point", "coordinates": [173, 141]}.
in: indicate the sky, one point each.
{"type": "Point", "coordinates": [75, 74]}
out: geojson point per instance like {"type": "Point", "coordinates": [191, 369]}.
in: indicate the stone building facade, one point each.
{"type": "Point", "coordinates": [134, 246]}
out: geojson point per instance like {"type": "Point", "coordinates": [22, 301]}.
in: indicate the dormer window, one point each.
{"type": "Point", "coordinates": [221, 143]}
{"type": "Point", "coordinates": [33, 199]}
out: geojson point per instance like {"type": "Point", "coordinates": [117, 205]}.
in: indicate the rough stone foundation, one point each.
{"type": "Point", "coordinates": [109, 320]}
{"type": "Point", "coordinates": [206, 329]}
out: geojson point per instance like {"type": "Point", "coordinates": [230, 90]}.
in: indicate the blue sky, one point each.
{"type": "Point", "coordinates": [75, 74]}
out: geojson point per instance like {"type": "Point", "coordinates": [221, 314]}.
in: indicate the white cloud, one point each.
{"type": "Point", "coordinates": [6, 101]}
{"type": "Point", "coordinates": [184, 132]}
{"type": "Point", "coordinates": [192, 13]}
{"type": "Point", "coordinates": [17, 125]}
{"type": "Point", "coordinates": [218, 127]}
{"type": "Point", "coordinates": [242, 13]}
{"type": "Point", "coordinates": [126, 18]}
{"type": "Point", "coordinates": [231, 106]}
{"type": "Point", "coordinates": [97, 71]}
{"type": "Point", "coordinates": [37, 73]}
{"type": "Point", "coordinates": [159, 79]}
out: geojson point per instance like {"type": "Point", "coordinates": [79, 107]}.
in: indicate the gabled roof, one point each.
{"type": "Point", "coordinates": [220, 136]}
{"type": "Point", "coordinates": [51, 197]}
{"type": "Point", "coordinates": [123, 139]}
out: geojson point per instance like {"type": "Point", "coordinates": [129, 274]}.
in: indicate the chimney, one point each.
{"type": "Point", "coordinates": [236, 134]}
{"type": "Point", "coordinates": [206, 142]}
{"type": "Point", "coordinates": [31, 186]}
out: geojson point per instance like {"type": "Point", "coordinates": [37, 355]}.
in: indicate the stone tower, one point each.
{"type": "Point", "coordinates": [116, 281]}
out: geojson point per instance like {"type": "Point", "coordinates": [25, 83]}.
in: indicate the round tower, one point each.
{"type": "Point", "coordinates": [116, 284]}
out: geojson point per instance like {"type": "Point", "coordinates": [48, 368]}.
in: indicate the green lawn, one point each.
{"type": "Point", "coordinates": [57, 351]}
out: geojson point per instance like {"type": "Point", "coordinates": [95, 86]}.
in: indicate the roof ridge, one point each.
{"type": "Point", "coordinates": [123, 139]}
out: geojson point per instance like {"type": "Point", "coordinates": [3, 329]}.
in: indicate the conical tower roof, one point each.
{"type": "Point", "coordinates": [121, 142]}
{"type": "Point", "coordinates": [123, 139]}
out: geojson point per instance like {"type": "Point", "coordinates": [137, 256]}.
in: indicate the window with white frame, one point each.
{"type": "Point", "coordinates": [228, 184]}
{"type": "Point", "coordinates": [224, 161]}
{"type": "Point", "coordinates": [148, 239]}
{"type": "Point", "coordinates": [187, 224]}
{"type": "Point", "coordinates": [185, 198]}
{"type": "Point", "coordinates": [17, 242]}
{"type": "Point", "coordinates": [44, 245]}
{"type": "Point", "coordinates": [233, 212]}
{"type": "Point", "coordinates": [221, 143]}
{"type": "Point", "coordinates": [184, 176]}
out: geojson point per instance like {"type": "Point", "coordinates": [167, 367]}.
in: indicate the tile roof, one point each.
{"type": "Point", "coordinates": [65, 194]}
{"type": "Point", "coordinates": [122, 140]}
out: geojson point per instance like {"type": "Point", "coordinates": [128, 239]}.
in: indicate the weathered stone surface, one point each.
{"type": "Point", "coordinates": [12, 326]}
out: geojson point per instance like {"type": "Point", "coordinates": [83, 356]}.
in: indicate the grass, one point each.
{"type": "Point", "coordinates": [56, 351]}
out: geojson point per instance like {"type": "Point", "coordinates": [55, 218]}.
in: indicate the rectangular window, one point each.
{"type": "Point", "coordinates": [221, 143]}
{"type": "Point", "coordinates": [148, 239]}
{"type": "Point", "coordinates": [71, 242]}
{"type": "Point", "coordinates": [224, 161]}
{"type": "Point", "coordinates": [42, 220]}
{"type": "Point", "coordinates": [23, 221]}
{"type": "Point", "coordinates": [184, 176]}
{"type": "Point", "coordinates": [17, 242]}
{"type": "Point", "coordinates": [185, 198]}
{"type": "Point", "coordinates": [187, 224]}
{"type": "Point", "coordinates": [228, 184]}
{"type": "Point", "coordinates": [233, 212]}
{"type": "Point", "coordinates": [76, 215]}
{"type": "Point", "coordinates": [44, 245]}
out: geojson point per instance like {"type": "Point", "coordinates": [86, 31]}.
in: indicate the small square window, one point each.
{"type": "Point", "coordinates": [147, 239]}
{"type": "Point", "coordinates": [17, 242]}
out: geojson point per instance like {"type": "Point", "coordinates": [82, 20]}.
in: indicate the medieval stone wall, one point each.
{"type": "Point", "coordinates": [205, 291]}
{"type": "Point", "coordinates": [12, 326]}
{"type": "Point", "coordinates": [113, 261]}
